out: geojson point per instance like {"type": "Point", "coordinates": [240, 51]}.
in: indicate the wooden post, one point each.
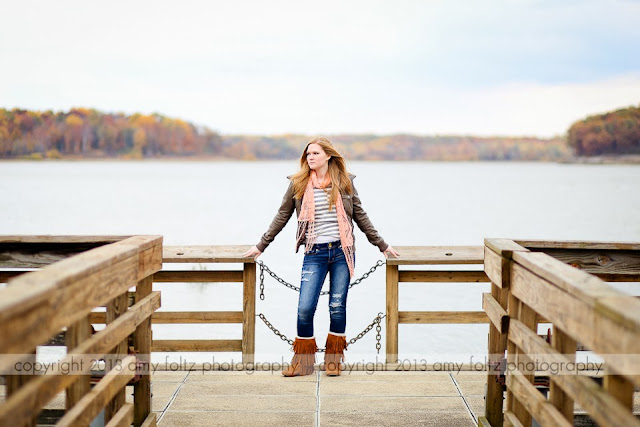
{"type": "Point", "coordinates": [249, 313]}
{"type": "Point", "coordinates": [497, 346]}
{"type": "Point", "coordinates": [142, 344]}
{"type": "Point", "coordinates": [76, 334]}
{"type": "Point", "coordinates": [392, 314]}
{"type": "Point", "coordinates": [527, 316]}
{"type": "Point", "coordinates": [566, 346]}
{"type": "Point", "coordinates": [14, 382]}
{"type": "Point", "coordinates": [115, 308]}
{"type": "Point", "coordinates": [620, 388]}
{"type": "Point", "coordinates": [512, 354]}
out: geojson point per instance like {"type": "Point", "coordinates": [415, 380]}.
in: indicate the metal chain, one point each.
{"type": "Point", "coordinates": [282, 336]}
{"type": "Point", "coordinates": [264, 267]}
{"type": "Point", "coordinates": [376, 322]}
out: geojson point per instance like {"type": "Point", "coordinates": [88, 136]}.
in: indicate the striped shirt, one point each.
{"type": "Point", "coordinates": [326, 221]}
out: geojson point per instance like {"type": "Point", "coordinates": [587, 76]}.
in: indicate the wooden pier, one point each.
{"type": "Point", "coordinates": [87, 280]}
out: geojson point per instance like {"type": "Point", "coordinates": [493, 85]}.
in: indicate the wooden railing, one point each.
{"type": "Point", "coordinates": [429, 255]}
{"type": "Point", "coordinates": [80, 274]}
{"type": "Point", "coordinates": [246, 276]}
{"type": "Point", "coordinates": [533, 282]}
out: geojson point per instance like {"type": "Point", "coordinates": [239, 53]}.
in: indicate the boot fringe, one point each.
{"type": "Point", "coordinates": [336, 344]}
{"type": "Point", "coordinates": [304, 357]}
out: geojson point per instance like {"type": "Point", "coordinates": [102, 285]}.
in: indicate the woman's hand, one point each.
{"type": "Point", "coordinates": [253, 252]}
{"type": "Point", "coordinates": [390, 251]}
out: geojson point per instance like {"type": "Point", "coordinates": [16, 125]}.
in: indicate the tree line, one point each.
{"type": "Point", "coordinates": [88, 133]}
{"type": "Point", "coordinates": [83, 132]}
{"type": "Point", "coordinates": [613, 133]}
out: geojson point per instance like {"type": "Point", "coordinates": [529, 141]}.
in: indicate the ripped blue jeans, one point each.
{"type": "Point", "coordinates": [323, 258]}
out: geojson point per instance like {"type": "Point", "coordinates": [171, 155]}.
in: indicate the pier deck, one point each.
{"type": "Point", "coordinates": [235, 398]}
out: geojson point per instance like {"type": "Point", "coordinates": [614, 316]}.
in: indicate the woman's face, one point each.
{"type": "Point", "coordinates": [316, 157]}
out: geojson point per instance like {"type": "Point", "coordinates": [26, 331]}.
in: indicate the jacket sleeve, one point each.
{"type": "Point", "coordinates": [364, 223]}
{"type": "Point", "coordinates": [280, 220]}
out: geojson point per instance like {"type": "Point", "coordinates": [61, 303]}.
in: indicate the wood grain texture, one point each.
{"type": "Point", "coordinates": [603, 407]}
{"type": "Point", "coordinates": [457, 317]}
{"type": "Point", "coordinates": [443, 276]}
{"type": "Point", "coordinates": [496, 267]}
{"type": "Point", "coordinates": [249, 313]}
{"type": "Point", "coordinates": [534, 402]}
{"type": "Point", "coordinates": [198, 276]}
{"type": "Point", "coordinates": [123, 418]}
{"type": "Point", "coordinates": [75, 335]}
{"type": "Point", "coordinates": [566, 345]}
{"type": "Point", "coordinates": [53, 304]}
{"type": "Point", "coordinates": [90, 405]}
{"type": "Point", "coordinates": [196, 345]}
{"type": "Point", "coordinates": [601, 261]}
{"type": "Point", "coordinates": [392, 314]}
{"type": "Point", "coordinates": [510, 420]}
{"type": "Point", "coordinates": [504, 247]}
{"type": "Point", "coordinates": [496, 314]}
{"type": "Point", "coordinates": [114, 309]}
{"type": "Point", "coordinates": [497, 345]}
{"type": "Point", "coordinates": [162, 317]}
{"type": "Point", "coordinates": [437, 255]}
{"type": "Point", "coordinates": [207, 253]}
{"type": "Point", "coordinates": [142, 345]}
{"type": "Point", "coordinates": [52, 238]}
{"type": "Point", "coordinates": [42, 389]}
{"type": "Point", "coordinates": [577, 244]}
{"type": "Point", "coordinates": [602, 333]}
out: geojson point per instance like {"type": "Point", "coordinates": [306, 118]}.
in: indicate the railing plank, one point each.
{"type": "Point", "coordinates": [459, 317]}
{"type": "Point", "coordinates": [39, 391]}
{"type": "Point", "coordinates": [198, 276]}
{"type": "Point", "coordinates": [206, 253]}
{"type": "Point", "coordinates": [95, 400]}
{"type": "Point", "coordinates": [534, 402]}
{"type": "Point", "coordinates": [496, 314]}
{"type": "Point", "coordinates": [600, 333]}
{"type": "Point", "coordinates": [443, 276]}
{"type": "Point", "coordinates": [604, 408]}
{"type": "Point", "coordinates": [574, 281]}
{"type": "Point", "coordinates": [161, 317]}
{"type": "Point", "coordinates": [437, 255]}
{"type": "Point", "coordinates": [123, 418]}
{"type": "Point", "coordinates": [577, 244]}
{"type": "Point", "coordinates": [196, 345]}
{"type": "Point", "coordinates": [504, 247]}
{"type": "Point", "coordinates": [50, 306]}
{"type": "Point", "coordinates": [37, 305]}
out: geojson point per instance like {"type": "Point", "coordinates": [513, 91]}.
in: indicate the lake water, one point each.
{"type": "Point", "coordinates": [412, 203]}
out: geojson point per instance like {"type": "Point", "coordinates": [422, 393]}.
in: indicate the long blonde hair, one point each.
{"type": "Point", "coordinates": [340, 181]}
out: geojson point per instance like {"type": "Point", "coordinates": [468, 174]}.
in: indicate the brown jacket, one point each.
{"type": "Point", "coordinates": [352, 207]}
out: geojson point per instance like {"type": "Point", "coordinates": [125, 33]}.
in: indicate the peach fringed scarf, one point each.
{"type": "Point", "coordinates": [306, 220]}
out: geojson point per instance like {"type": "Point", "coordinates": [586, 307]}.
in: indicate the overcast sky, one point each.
{"type": "Point", "coordinates": [521, 67]}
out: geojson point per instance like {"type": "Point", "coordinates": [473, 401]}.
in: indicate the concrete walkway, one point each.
{"type": "Point", "coordinates": [353, 399]}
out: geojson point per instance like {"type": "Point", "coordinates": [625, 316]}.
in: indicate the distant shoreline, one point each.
{"type": "Point", "coordinates": [595, 160]}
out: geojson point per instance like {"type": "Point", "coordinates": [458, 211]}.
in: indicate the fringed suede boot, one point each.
{"type": "Point", "coordinates": [303, 359]}
{"type": "Point", "coordinates": [334, 355]}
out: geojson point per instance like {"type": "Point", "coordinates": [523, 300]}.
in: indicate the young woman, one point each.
{"type": "Point", "coordinates": [326, 202]}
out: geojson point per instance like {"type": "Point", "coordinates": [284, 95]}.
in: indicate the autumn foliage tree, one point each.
{"type": "Point", "coordinates": [85, 132]}
{"type": "Point", "coordinates": [616, 133]}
